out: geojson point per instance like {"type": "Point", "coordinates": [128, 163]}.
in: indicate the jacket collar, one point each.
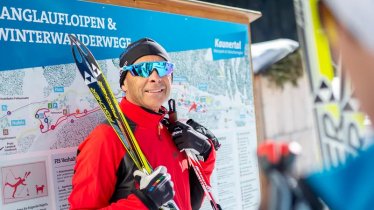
{"type": "Point", "coordinates": [141, 116]}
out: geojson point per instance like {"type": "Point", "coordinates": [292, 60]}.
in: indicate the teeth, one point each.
{"type": "Point", "coordinates": [153, 91]}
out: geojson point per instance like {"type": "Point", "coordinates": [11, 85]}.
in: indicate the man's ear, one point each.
{"type": "Point", "coordinates": [124, 86]}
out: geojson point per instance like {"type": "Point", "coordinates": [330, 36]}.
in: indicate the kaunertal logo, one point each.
{"type": "Point", "coordinates": [237, 45]}
{"type": "Point", "coordinates": [229, 46]}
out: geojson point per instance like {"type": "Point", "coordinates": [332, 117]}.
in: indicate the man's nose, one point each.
{"type": "Point", "coordinates": [154, 77]}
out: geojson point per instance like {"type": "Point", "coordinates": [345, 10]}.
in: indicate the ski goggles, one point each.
{"type": "Point", "coordinates": [145, 69]}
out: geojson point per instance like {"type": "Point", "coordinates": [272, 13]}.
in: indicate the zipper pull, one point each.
{"type": "Point", "coordinates": [159, 130]}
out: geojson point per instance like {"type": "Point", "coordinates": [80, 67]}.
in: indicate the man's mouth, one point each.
{"type": "Point", "coordinates": [155, 91]}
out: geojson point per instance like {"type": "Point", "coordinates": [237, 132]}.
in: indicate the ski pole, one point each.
{"type": "Point", "coordinates": [194, 162]}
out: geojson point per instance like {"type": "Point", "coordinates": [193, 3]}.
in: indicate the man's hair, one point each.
{"type": "Point", "coordinates": [138, 49]}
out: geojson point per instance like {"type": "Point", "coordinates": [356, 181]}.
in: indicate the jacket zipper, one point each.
{"type": "Point", "coordinates": [159, 127]}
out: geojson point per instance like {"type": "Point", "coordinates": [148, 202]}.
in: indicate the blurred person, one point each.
{"type": "Point", "coordinates": [351, 36]}
{"type": "Point", "coordinates": [350, 31]}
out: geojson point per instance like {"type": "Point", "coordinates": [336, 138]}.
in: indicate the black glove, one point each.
{"type": "Point", "coordinates": [155, 189]}
{"type": "Point", "coordinates": [185, 137]}
{"type": "Point", "coordinates": [203, 130]}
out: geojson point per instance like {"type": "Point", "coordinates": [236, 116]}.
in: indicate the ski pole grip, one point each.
{"type": "Point", "coordinates": [172, 111]}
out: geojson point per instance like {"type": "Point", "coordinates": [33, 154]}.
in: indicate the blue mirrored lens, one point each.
{"type": "Point", "coordinates": [145, 69]}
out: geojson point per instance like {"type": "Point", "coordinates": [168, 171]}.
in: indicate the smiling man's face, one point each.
{"type": "Point", "coordinates": [149, 92]}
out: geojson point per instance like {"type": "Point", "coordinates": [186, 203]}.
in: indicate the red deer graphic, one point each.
{"type": "Point", "coordinates": [39, 188]}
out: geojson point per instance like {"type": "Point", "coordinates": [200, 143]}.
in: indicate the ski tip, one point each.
{"type": "Point", "coordinates": [80, 51]}
{"type": "Point", "coordinates": [72, 38]}
{"type": "Point", "coordinates": [74, 43]}
{"type": "Point", "coordinates": [84, 59]}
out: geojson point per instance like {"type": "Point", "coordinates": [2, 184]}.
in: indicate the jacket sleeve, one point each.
{"type": "Point", "coordinates": [95, 174]}
{"type": "Point", "coordinates": [196, 191]}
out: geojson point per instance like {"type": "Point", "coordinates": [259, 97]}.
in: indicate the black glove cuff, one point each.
{"type": "Point", "coordinates": [147, 201]}
{"type": "Point", "coordinates": [207, 153]}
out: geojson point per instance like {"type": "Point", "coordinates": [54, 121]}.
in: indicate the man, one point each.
{"type": "Point", "coordinates": [105, 177]}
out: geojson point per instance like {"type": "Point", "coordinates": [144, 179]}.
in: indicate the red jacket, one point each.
{"type": "Point", "coordinates": [100, 157]}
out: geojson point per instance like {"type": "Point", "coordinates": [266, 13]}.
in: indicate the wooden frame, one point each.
{"type": "Point", "coordinates": [192, 8]}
